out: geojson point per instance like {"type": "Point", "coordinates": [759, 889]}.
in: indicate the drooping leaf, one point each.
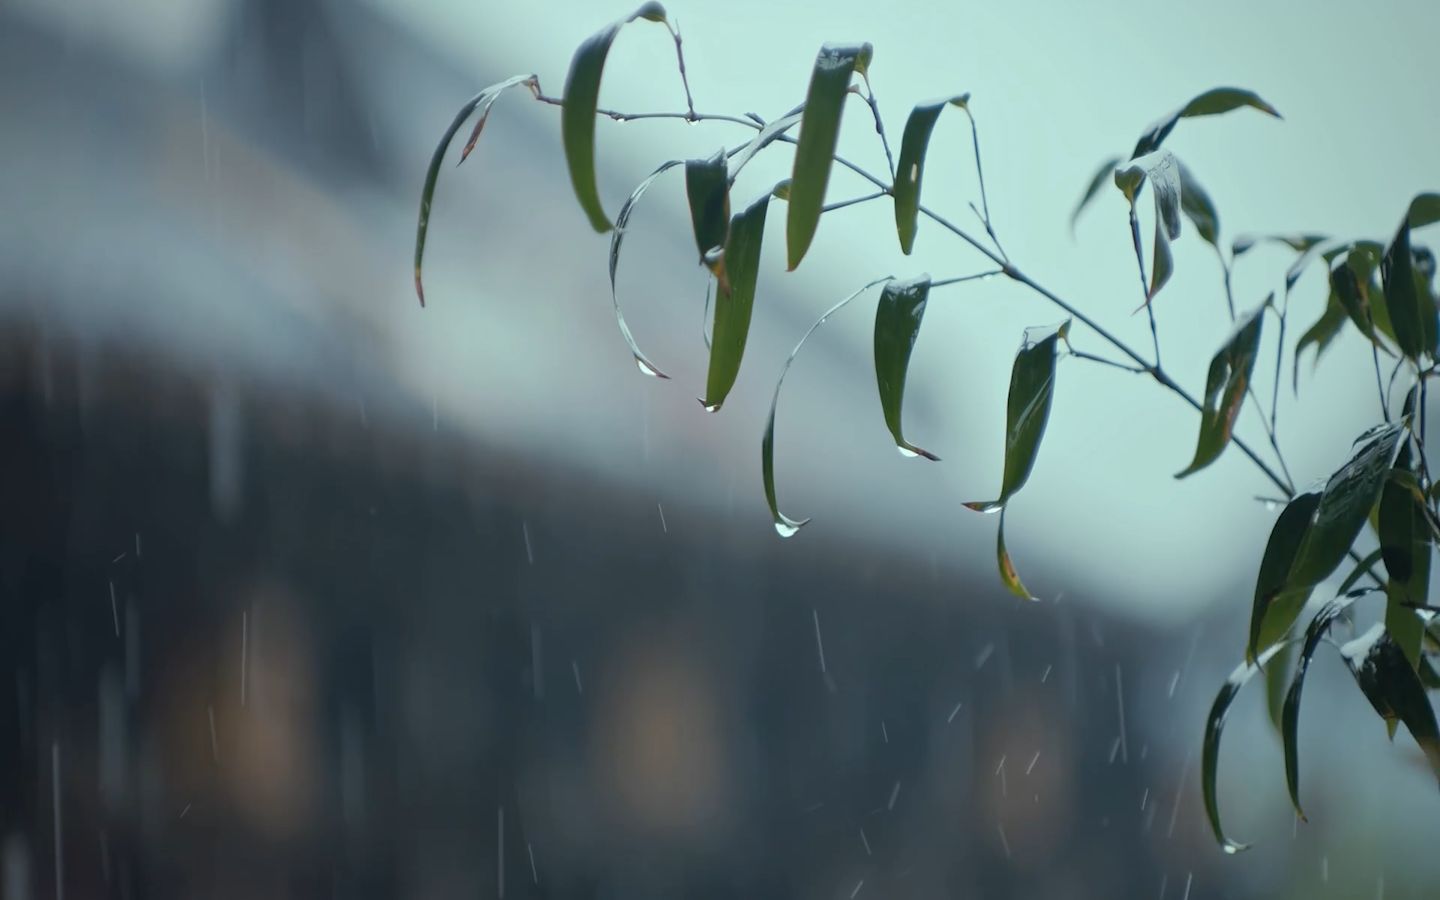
{"type": "Point", "coordinates": [1211, 103]}
{"type": "Point", "coordinates": [481, 102]}
{"type": "Point", "coordinates": [1290, 714]}
{"type": "Point", "coordinates": [1348, 292]}
{"type": "Point", "coordinates": [1199, 208]}
{"type": "Point", "coordinates": [1210, 752]}
{"type": "Point", "coordinates": [1164, 178]}
{"type": "Point", "coordinates": [1321, 334]}
{"type": "Point", "coordinates": [1102, 175]}
{"type": "Point", "coordinates": [911, 167]}
{"type": "Point", "coordinates": [1275, 604]}
{"type": "Point", "coordinates": [1405, 546]}
{"type": "Point", "coordinates": [1424, 210]}
{"type": "Point", "coordinates": [768, 134]}
{"type": "Point", "coordinates": [1349, 495]}
{"type": "Point", "coordinates": [819, 132]}
{"type": "Point", "coordinates": [784, 525]}
{"type": "Point", "coordinates": [734, 301]}
{"type": "Point", "coordinates": [1225, 388]}
{"type": "Point", "coordinates": [1027, 410]}
{"type": "Point", "coordinates": [1277, 680]}
{"type": "Point", "coordinates": [577, 115]}
{"type": "Point", "coordinates": [1297, 242]}
{"type": "Point", "coordinates": [622, 221]}
{"type": "Point", "coordinates": [707, 187]}
{"type": "Point", "coordinates": [1393, 688]}
{"type": "Point", "coordinates": [1008, 576]}
{"type": "Point", "coordinates": [897, 324]}
{"type": "Point", "coordinates": [1407, 299]}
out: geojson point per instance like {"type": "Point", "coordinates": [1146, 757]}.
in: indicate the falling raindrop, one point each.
{"type": "Point", "coordinates": [953, 712]}
{"type": "Point", "coordinates": [529, 552]}
{"type": "Point", "coordinates": [663, 527]}
{"type": "Point", "coordinates": [819, 643]}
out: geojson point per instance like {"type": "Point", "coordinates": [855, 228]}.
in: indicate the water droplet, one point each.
{"type": "Point", "coordinates": [647, 369]}
{"type": "Point", "coordinates": [715, 407]}
{"type": "Point", "coordinates": [906, 452]}
{"type": "Point", "coordinates": [787, 529]}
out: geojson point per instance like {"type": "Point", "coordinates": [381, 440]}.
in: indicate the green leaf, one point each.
{"type": "Point", "coordinates": [1210, 752]}
{"type": "Point", "coordinates": [1424, 210]}
{"type": "Point", "coordinates": [784, 525]}
{"type": "Point", "coordinates": [1008, 576]}
{"type": "Point", "coordinates": [622, 221]}
{"type": "Point", "coordinates": [1277, 680]}
{"type": "Point", "coordinates": [911, 167]}
{"type": "Point", "coordinates": [1359, 571]}
{"type": "Point", "coordinates": [1297, 242]}
{"type": "Point", "coordinates": [482, 102]}
{"type": "Point", "coordinates": [734, 301]}
{"type": "Point", "coordinates": [1211, 103]}
{"type": "Point", "coordinates": [1027, 411]}
{"type": "Point", "coordinates": [1346, 502]}
{"type": "Point", "coordinates": [897, 324]}
{"type": "Point", "coordinates": [815, 150]}
{"type": "Point", "coordinates": [1102, 174]}
{"type": "Point", "coordinates": [1393, 688]}
{"type": "Point", "coordinates": [1290, 713]}
{"type": "Point", "coordinates": [1225, 387]}
{"type": "Point", "coordinates": [1130, 180]}
{"type": "Point", "coordinates": [1321, 334]}
{"type": "Point", "coordinates": [1276, 605]}
{"type": "Point", "coordinates": [1349, 292]}
{"type": "Point", "coordinates": [577, 115]}
{"type": "Point", "coordinates": [1164, 179]}
{"type": "Point", "coordinates": [1407, 299]}
{"type": "Point", "coordinates": [1199, 208]}
{"type": "Point", "coordinates": [707, 187]}
{"type": "Point", "coordinates": [1405, 546]}
{"type": "Point", "coordinates": [768, 134]}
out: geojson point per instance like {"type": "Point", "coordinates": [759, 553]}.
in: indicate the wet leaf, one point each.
{"type": "Point", "coordinates": [815, 150]}
{"type": "Point", "coordinates": [1407, 299]}
{"type": "Point", "coordinates": [1405, 546]}
{"type": "Point", "coordinates": [784, 525]}
{"type": "Point", "coordinates": [1210, 753]}
{"type": "Point", "coordinates": [577, 115]}
{"type": "Point", "coordinates": [1321, 334]}
{"type": "Point", "coordinates": [1277, 681]}
{"type": "Point", "coordinates": [481, 102]}
{"type": "Point", "coordinates": [1008, 576]}
{"type": "Point", "coordinates": [1225, 387]}
{"type": "Point", "coordinates": [911, 167]}
{"type": "Point", "coordinates": [1393, 688]}
{"type": "Point", "coordinates": [1366, 563]}
{"type": "Point", "coordinates": [734, 301]}
{"type": "Point", "coordinates": [1164, 179]}
{"type": "Point", "coordinates": [622, 221]}
{"type": "Point", "coordinates": [1027, 410]}
{"type": "Point", "coordinates": [707, 187]}
{"type": "Point", "coordinates": [1199, 208]}
{"type": "Point", "coordinates": [1290, 714]}
{"type": "Point", "coordinates": [897, 324]}
{"type": "Point", "coordinates": [1102, 175]}
{"type": "Point", "coordinates": [1276, 605]}
{"type": "Point", "coordinates": [1211, 103]}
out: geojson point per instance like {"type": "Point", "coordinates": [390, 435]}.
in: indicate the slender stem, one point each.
{"type": "Point", "coordinates": [690, 116]}
{"type": "Point", "coordinates": [978, 276]}
{"type": "Point", "coordinates": [1229, 294]}
{"type": "Point", "coordinates": [1279, 357]}
{"type": "Point", "coordinates": [1080, 354]}
{"type": "Point", "coordinates": [1379, 384]}
{"type": "Point", "coordinates": [831, 207]}
{"type": "Point", "coordinates": [879, 124]}
{"type": "Point", "coordinates": [1144, 284]}
{"type": "Point", "coordinates": [980, 176]}
{"type": "Point", "coordinates": [680, 59]}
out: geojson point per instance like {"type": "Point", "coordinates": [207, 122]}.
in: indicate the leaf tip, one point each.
{"type": "Point", "coordinates": [419, 288]}
{"type": "Point", "coordinates": [984, 506]}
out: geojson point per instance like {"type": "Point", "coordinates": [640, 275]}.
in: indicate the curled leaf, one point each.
{"type": "Point", "coordinates": [897, 324]}
{"type": "Point", "coordinates": [1424, 210]}
{"type": "Point", "coordinates": [1210, 752]}
{"type": "Point", "coordinates": [482, 102]}
{"type": "Point", "coordinates": [577, 115]}
{"type": "Point", "coordinates": [734, 302]}
{"type": "Point", "coordinates": [784, 525]}
{"type": "Point", "coordinates": [768, 134]}
{"type": "Point", "coordinates": [815, 150]}
{"type": "Point", "coordinates": [1290, 714]}
{"type": "Point", "coordinates": [1321, 334]}
{"type": "Point", "coordinates": [1404, 531]}
{"type": "Point", "coordinates": [1394, 689]}
{"type": "Point", "coordinates": [1164, 179]}
{"type": "Point", "coordinates": [1225, 388]}
{"type": "Point", "coordinates": [1276, 604]}
{"type": "Point", "coordinates": [1407, 298]}
{"type": "Point", "coordinates": [1211, 103]}
{"type": "Point", "coordinates": [707, 186]}
{"type": "Point", "coordinates": [1199, 208]}
{"type": "Point", "coordinates": [911, 166]}
{"type": "Point", "coordinates": [1027, 410]}
{"type": "Point", "coordinates": [622, 221]}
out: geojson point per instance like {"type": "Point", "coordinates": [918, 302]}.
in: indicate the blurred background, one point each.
{"type": "Point", "coordinates": [309, 592]}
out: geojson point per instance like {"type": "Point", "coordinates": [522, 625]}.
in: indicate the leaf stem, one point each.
{"type": "Point", "coordinates": [980, 176]}
{"type": "Point", "coordinates": [1080, 354]}
{"type": "Point", "coordinates": [1144, 285]}
{"type": "Point", "coordinates": [680, 60]}
{"type": "Point", "coordinates": [978, 276]}
{"type": "Point", "coordinates": [841, 204]}
{"type": "Point", "coordinates": [879, 123]}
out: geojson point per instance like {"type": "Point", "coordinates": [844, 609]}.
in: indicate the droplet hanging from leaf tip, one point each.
{"type": "Point", "coordinates": [709, 407]}
{"type": "Point", "coordinates": [648, 368]}
{"type": "Point", "coordinates": [789, 527]}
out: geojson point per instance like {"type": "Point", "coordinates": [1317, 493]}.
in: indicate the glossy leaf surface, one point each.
{"type": "Point", "coordinates": [1225, 388]}
{"type": "Point", "coordinates": [815, 150]}
{"type": "Point", "coordinates": [897, 323]}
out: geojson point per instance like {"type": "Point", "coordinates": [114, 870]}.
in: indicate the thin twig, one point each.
{"type": "Point", "coordinates": [691, 116]}
{"type": "Point", "coordinates": [1144, 283]}
{"type": "Point", "coordinates": [1080, 354]}
{"type": "Point", "coordinates": [680, 59]}
{"type": "Point", "coordinates": [879, 123]}
{"type": "Point", "coordinates": [980, 176]}
{"type": "Point", "coordinates": [1229, 294]}
{"type": "Point", "coordinates": [841, 204]}
{"type": "Point", "coordinates": [978, 276]}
